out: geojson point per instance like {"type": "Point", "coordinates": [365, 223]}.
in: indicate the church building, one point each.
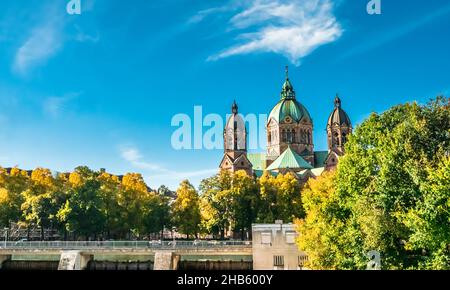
{"type": "Point", "coordinates": [290, 144]}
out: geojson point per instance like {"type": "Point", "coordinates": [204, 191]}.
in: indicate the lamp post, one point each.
{"type": "Point", "coordinates": [6, 236]}
{"type": "Point", "coordinates": [173, 236]}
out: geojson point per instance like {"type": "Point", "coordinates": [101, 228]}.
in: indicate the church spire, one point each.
{"type": "Point", "coordinates": [337, 101]}
{"type": "Point", "coordinates": [287, 91]}
{"type": "Point", "coordinates": [234, 108]}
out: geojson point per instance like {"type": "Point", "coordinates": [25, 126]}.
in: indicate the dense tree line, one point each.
{"type": "Point", "coordinates": [390, 193]}
{"type": "Point", "coordinates": [86, 204]}
{"type": "Point", "coordinates": [82, 204]}
{"type": "Point", "coordinates": [232, 202]}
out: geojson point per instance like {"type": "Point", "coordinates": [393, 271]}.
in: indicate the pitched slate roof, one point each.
{"type": "Point", "coordinates": [319, 158]}
{"type": "Point", "coordinates": [289, 159]}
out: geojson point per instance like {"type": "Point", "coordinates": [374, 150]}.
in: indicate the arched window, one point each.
{"type": "Point", "coordinates": [294, 140]}
{"type": "Point", "coordinates": [336, 138]}
{"type": "Point", "coordinates": [269, 137]}
{"type": "Point", "coordinates": [309, 138]}
{"type": "Point", "coordinates": [283, 136]}
{"type": "Point", "coordinates": [289, 136]}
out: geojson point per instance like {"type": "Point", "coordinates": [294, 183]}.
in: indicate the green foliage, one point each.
{"type": "Point", "coordinates": [11, 187]}
{"type": "Point", "coordinates": [83, 203]}
{"type": "Point", "coordinates": [232, 202]}
{"type": "Point", "coordinates": [156, 214]}
{"type": "Point", "coordinates": [216, 201]}
{"type": "Point", "coordinates": [390, 194]}
{"type": "Point", "coordinates": [41, 198]}
{"type": "Point", "coordinates": [279, 198]}
{"type": "Point", "coordinates": [186, 209]}
{"type": "Point", "coordinates": [82, 212]}
{"type": "Point", "coordinates": [244, 198]}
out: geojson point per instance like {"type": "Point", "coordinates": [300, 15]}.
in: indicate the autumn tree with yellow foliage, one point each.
{"type": "Point", "coordinates": [11, 187]}
{"type": "Point", "coordinates": [186, 210]}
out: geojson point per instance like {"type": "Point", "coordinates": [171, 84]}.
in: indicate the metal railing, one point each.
{"type": "Point", "coordinates": [68, 245]}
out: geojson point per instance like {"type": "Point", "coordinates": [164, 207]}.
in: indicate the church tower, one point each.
{"type": "Point", "coordinates": [235, 144]}
{"type": "Point", "coordinates": [339, 127]}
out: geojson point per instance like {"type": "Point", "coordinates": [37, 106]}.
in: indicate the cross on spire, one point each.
{"type": "Point", "coordinates": [234, 108]}
{"type": "Point", "coordinates": [337, 101]}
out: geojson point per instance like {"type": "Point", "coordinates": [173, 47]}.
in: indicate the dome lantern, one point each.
{"type": "Point", "coordinates": [288, 107]}
{"type": "Point", "coordinates": [287, 91]}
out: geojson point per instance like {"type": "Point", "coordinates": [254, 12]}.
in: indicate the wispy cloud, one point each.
{"type": "Point", "coordinates": [56, 106]}
{"type": "Point", "coordinates": [157, 172]}
{"type": "Point", "coordinates": [133, 156]}
{"type": "Point", "coordinates": [292, 28]}
{"type": "Point", "coordinates": [45, 35]}
{"type": "Point", "coordinates": [44, 41]}
{"type": "Point", "coordinates": [203, 14]}
{"type": "Point", "coordinates": [82, 36]}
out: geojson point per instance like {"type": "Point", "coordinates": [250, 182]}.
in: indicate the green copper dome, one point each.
{"type": "Point", "coordinates": [288, 106]}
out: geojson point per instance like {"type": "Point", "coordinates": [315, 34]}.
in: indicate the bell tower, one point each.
{"type": "Point", "coordinates": [339, 127]}
{"type": "Point", "coordinates": [235, 144]}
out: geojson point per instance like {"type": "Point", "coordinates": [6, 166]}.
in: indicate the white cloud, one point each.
{"type": "Point", "coordinates": [133, 156]}
{"type": "Point", "coordinates": [157, 173]}
{"type": "Point", "coordinates": [44, 41]}
{"type": "Point", "coordinates": [46, 36]}
{"type": "Point", "coordinates": [203, 14]}
{"type": "Point", "coordinates": [292, 28]}
{"type": "Point", "coordinates": [55, 106]}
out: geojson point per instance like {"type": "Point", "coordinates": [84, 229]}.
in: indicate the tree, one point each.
{"type": "Point", "coordinates": [82, 211]}
{"type": "Point", "coordinates": [216, 204]}
{"type": "Point", "coordinates": [430, 219]}
{"type": "Point", "coordinates": [382, 192]}
{"type": "Point", "coordinates": [280, 198]}
{"type": "Point", "coordinates": [41, 200]}
{"type": "Point", "coordinates": [323, 227]}
{"type": "Point", "coordinates": [244, 200]}
{"type": "Point", "coordinates": [133, 195]}
{"type": "Point", "coordinates": [288, 204]}
{"type": "Point", "coordinates": [109, 192]}
{"type": "Point", "coordinates": [186, 209]}
{"type": "Point", "coordinates": [11, 187]}
{"type": "Point", "coordinates": [268, 211]}
{"type": "Point", "coordinates": [156, 212]}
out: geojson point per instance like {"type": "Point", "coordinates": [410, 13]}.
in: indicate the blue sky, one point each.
{"type": "Point", "coordinates": [100, 88]}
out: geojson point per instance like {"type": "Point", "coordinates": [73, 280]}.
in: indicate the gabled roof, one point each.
{"type": "Point", "coordinates": [228, 158]}
{"type": "Point", "coordinates": [320, 158]}
{"type": "Point", "coordinates": [289, 159]}
{"type": "Point", "coordinates": [243, 158]}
